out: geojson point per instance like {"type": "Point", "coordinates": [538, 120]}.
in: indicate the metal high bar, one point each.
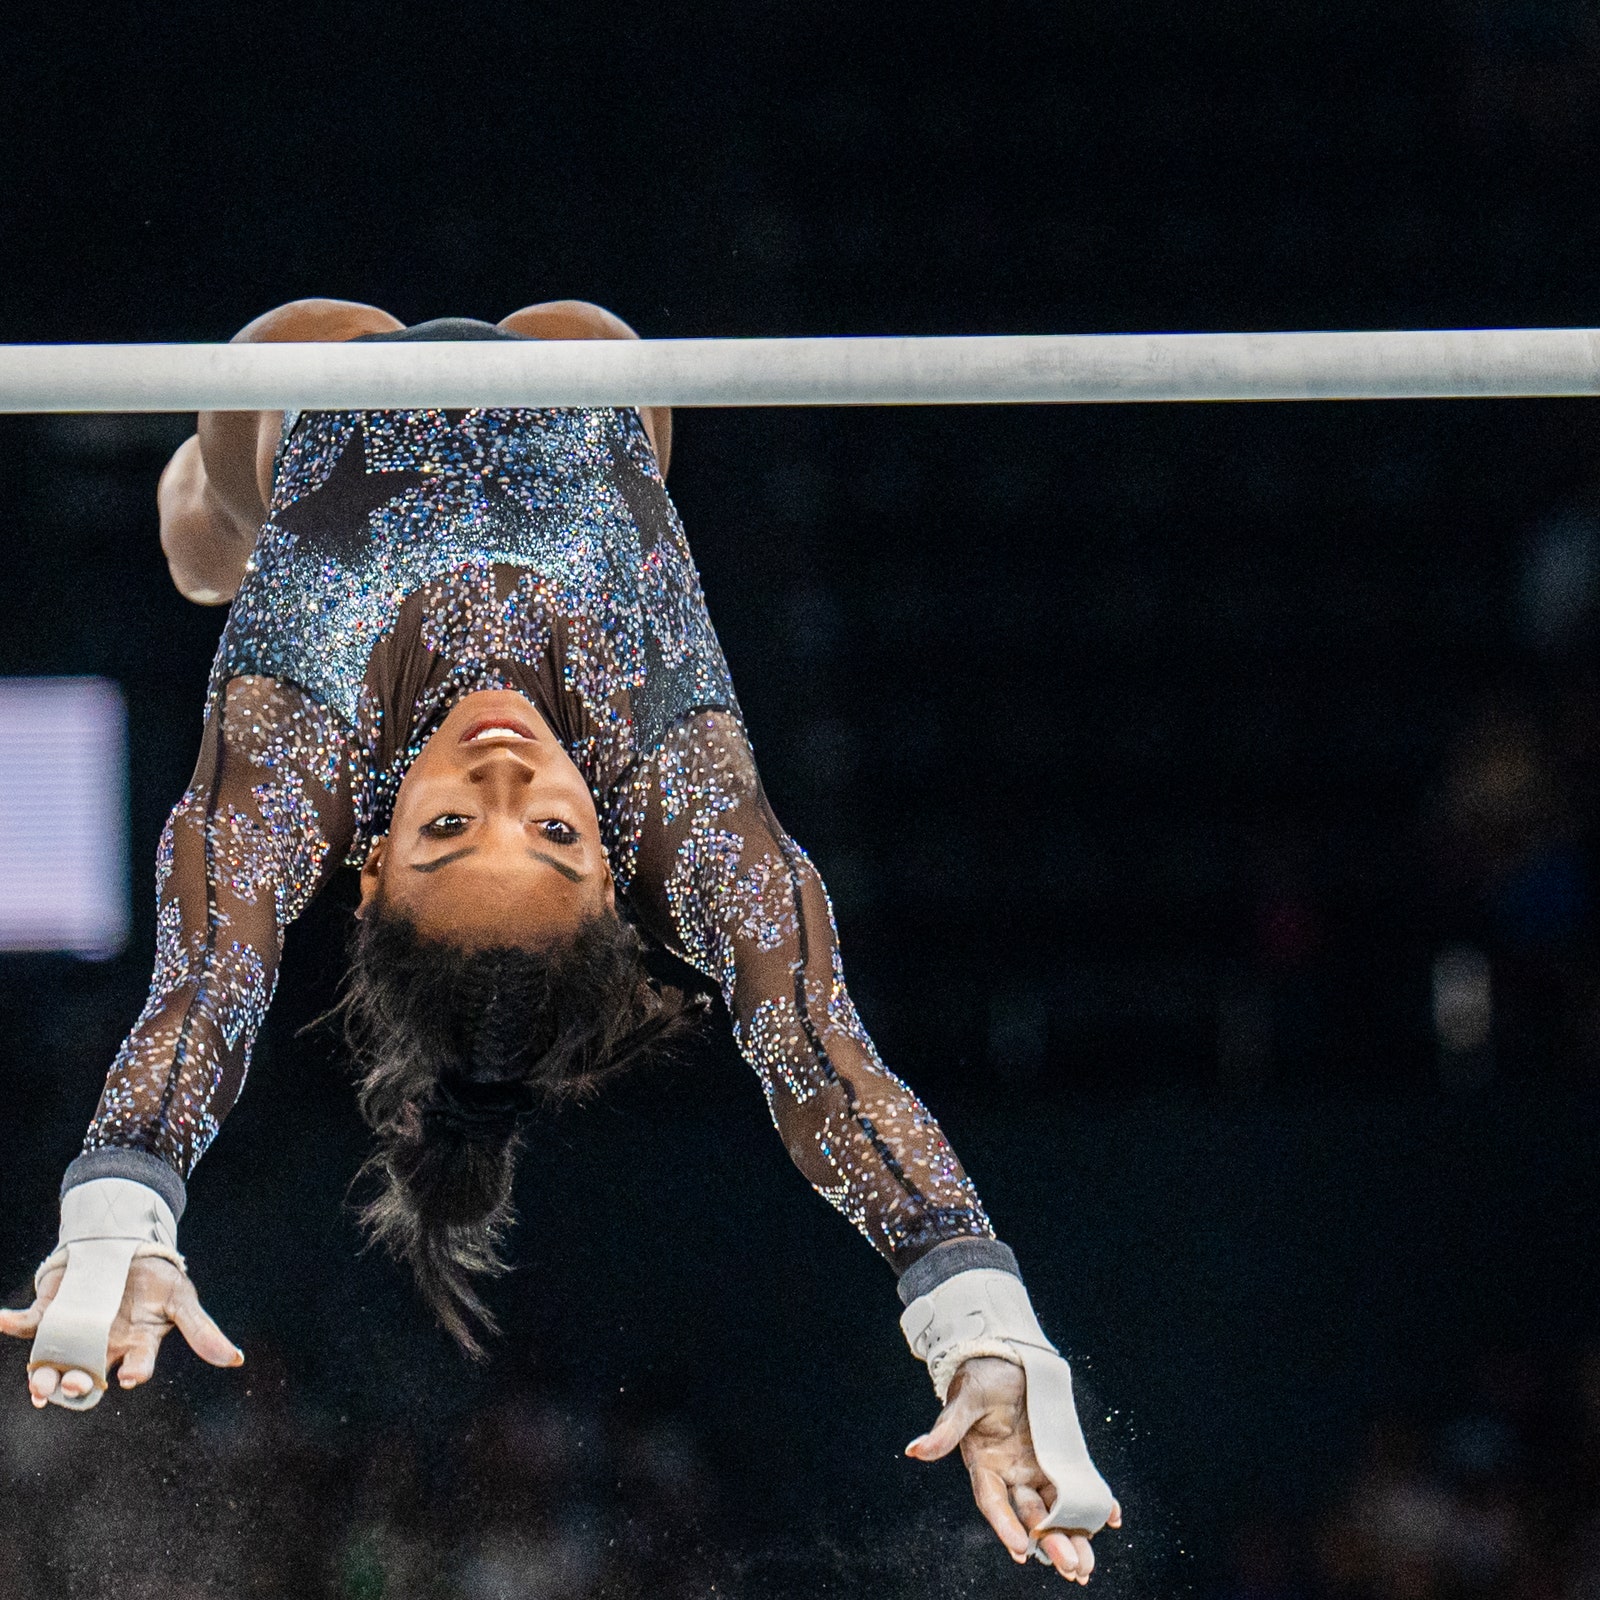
{"type": "Point", "coordinates": [1432, 364]}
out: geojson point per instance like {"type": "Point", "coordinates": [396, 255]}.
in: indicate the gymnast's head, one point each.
{"type": "Point", "coordinates": [490, 972]}
{"type": "Point", "coordinates": [494, 841]}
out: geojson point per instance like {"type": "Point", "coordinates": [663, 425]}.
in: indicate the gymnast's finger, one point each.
{"type": "Point", "coordinates": [951, 1428]}
{"type": "Point", "coordinates": [139, 1359]}
{"type": "Point", "coordinates": [1063, 1557]}
{"type": "Point", "coordinates": [1031, 1509]}
{"type": "Point", "coordinates": [76, 1383]}
{"type": "Point", "coordinates": [205, 1338]}
{"type": "Point", "coordinates": [22, 1324]}
{"type": "Point", "coordinates": [1057, 1546]}
{"type": "Point", "coordinates": [989, 1490]}
{"type": "Point", "coordinates": [1080, 1543]}
{"type": "Point", "coordinates": [1115, 1519]}
{"type": "Point", "coordinates": [42, 1383]}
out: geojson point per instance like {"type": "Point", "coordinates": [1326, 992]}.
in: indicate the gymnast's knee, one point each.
{"type": "Point", "coordinates": [316, 321]}
{"type": "Point", "coordinates": [567, 319]}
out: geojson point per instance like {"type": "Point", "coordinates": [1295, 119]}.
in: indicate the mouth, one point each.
{"type": "Point", "coordinates": [488, 729]}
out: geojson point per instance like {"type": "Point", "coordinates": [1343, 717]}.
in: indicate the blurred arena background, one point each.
{"type": "Point", "coordinates": [1209, 796]}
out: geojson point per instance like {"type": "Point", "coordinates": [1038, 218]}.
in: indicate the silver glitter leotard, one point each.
{"type": "Point", "coordinates": [409, 558]}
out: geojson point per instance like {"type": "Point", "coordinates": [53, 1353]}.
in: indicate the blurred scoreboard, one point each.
{"type": "Point", "coordinates": [63, 816]}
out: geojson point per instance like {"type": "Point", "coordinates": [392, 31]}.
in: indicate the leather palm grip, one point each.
{"type": "Point", "coordinates": [105, 1223]}
{"type": "Point", "coordinates": [985, 1312]}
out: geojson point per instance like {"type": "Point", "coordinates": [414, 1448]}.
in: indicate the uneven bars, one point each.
{"type": "Point", "coordinates": [1028, 369]}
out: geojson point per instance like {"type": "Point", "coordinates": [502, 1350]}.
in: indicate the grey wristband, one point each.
{"type": "Point", "coordinates": [139, 1166]}
{"type": "Point", "coordinates": [945, 1260]}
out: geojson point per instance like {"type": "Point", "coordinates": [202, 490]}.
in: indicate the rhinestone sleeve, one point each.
{"type": "Point", "coordinates": [259, 829]}
{"type": "Point", "coordinates": [743, 902]}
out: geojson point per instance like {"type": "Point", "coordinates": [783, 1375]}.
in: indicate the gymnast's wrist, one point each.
{"type": "Point", "coordinates": [137, 1166]}
{"type": "Point", "coordinates": [115, 1211]}
{"type": "Point", "coordinates": [946, 1259]}
{"type": "Point", "coordinates": [981, 1311]}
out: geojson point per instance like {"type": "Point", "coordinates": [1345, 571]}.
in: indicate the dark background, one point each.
{"type": "Point", "coordinates": [1154, 757]}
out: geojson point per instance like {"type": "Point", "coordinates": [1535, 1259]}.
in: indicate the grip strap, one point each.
{"type": "Point", "coordinates": [105, 1224]}
{"type": "Point", "coordinates": [984, 1312]}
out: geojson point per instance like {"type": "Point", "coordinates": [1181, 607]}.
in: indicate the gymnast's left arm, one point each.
{"type": "Point", "coordinates": [727, 886]}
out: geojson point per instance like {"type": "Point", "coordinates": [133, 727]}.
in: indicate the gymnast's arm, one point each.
{"type": "Point", "coordinates": [263, 824]}
{"type": "Point", "coordinates": [214, 493]}
{"type": "Point", "coordinates": [261, 827]}
{"type": "Point", "coordinates": [720, 879]}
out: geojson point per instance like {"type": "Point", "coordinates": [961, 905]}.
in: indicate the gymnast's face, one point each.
{"type": "Point", "coordinates": [494, 838]}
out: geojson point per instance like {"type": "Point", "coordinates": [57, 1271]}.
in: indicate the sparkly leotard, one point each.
{"type": "Point", "coordinates": [409, 558]}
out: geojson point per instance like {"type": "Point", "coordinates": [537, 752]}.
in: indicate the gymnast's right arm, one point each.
{"type": "Point", "coordinates": [263, 824]}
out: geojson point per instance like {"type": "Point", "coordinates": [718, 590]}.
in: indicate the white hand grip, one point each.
{"type": "Point", "coordinates": [105, 1223]}
{"type": "Point", "coordinates": [76, 1327]}
{"type": "Point", "coordinates": [1083, 1498]}
{"type": "Point", "coordinates": [984, 1312]}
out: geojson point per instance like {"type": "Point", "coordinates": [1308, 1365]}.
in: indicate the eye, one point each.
{"type": "Point", "coordinates": [445, 826]}
{"type": "Point", "coordinates": [557, 831]}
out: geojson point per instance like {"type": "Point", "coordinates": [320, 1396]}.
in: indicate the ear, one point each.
{"type": "Point", "coordinates": [611, 888]}
{"type": "Point", "coordinates": [371, 875]}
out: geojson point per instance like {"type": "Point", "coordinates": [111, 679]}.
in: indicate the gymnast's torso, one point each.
{"type": "Point", "coordinates": [411, 557]}
{"type": "Point", "coordinates": [408, 559]}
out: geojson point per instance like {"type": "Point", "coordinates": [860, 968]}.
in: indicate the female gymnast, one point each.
{"type": "Point", "coordinates": [468, 653]}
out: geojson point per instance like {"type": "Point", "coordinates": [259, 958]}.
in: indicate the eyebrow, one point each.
{"type": "Point", "coordinates": [570, 873]}
{"type": "Point", "coordinates": [440, 861]}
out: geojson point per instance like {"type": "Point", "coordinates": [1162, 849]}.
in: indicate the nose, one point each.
{"type": "Point", "coordinates": [501, 769]}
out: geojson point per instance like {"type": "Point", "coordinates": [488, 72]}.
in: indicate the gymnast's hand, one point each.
{"type": "Point", "coordinates": [157, 1299]}
{"type": "Point", "coordinates": [986, 1415]}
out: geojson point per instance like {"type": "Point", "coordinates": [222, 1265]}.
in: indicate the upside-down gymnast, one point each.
{"type": "Point", "coordinates": [468, 654]}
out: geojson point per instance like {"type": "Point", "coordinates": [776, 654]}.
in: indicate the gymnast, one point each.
{"type": "Point", "coordinates": [468, 654]}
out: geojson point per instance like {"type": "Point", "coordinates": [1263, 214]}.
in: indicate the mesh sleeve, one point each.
{"type": "Point", "coordinates": [258, 831]}
{"type": "Point", "coordinates": [722, 882]}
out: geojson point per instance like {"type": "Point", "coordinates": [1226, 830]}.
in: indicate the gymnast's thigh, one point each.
{"type": "Point", "coordinates": [238, 446]}
{"type": "Point", "coordinates": [579, 319]}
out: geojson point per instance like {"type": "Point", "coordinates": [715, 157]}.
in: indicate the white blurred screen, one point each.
{"type": "Point", "coordinates": [63, 815]}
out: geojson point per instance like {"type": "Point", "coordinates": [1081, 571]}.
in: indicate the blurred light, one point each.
{"type": "Point", "coordinates": [1019, 1032]}
{"type": "Point", "coordinates": [1559, 583]}
{"type": "Point", "coordinates": [1463, 1017]}
{"type": "Point", "coordinates": [63, 816]}
{"type": "Point", "coordinates": [1245, 1030]}
{"type": "Point", "coordinates": [815, 623]}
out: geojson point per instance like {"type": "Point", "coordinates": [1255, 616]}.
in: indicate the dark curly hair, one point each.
{"type": "Point", "coordinates": [451, 1048]}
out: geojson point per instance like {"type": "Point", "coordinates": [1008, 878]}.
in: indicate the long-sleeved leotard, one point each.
{"type": "Point", "coordinates": [255, 835]}
{"type": "Point", "coordinates": [411, 558]}
{"type": "Point", "coordinates": [267, 819]}
{"type": "Point", "coordinates": [743, 902]}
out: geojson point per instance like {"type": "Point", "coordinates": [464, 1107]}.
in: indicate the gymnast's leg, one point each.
{"type": "Point", "coordinates": [214, 493]}
{"type": "Point", "coordinates": [578, 319]}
